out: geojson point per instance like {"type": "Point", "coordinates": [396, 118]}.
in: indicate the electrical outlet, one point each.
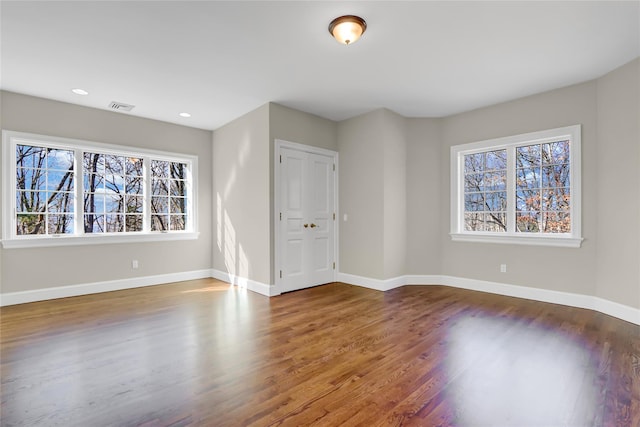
{"type": "Point", "coordinates": [134, 264]}
{"type": "Point", "coordinates": [503, 268]}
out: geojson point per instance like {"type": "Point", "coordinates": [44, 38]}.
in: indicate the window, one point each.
{"type": "Point", "coordinates": [59, 191]}
{"type": "Point", "coordinates": [523, 189]}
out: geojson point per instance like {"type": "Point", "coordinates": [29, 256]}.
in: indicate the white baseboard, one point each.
{"type": "Point", "coordinates": [12, 298]}
{"type": "Point", "coordinates": [242, 282]}
{"type": "Point", "coordinates": [611, 308]}
{"type": "Point", "coordinates": [621, 311]}
{"type": "Point", "coordinates": [366, 282]}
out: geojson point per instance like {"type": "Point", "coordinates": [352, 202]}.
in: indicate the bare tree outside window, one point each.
{"type": "Point", "coordinates": [113, 193]}
{"type": "Point", "coordinates": [485, 191]}
{"type": "Point", "coordinates": [543, 197]}
{"type": "Point", "coordinates": [44, 190]}
{"type": "Point", "coordinates": [168, 195]}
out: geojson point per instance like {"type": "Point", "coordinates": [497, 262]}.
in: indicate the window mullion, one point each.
{"type": "Point", "coordinates": [511, 189]}
{"type": "Point", "coordinates": [146, 194]}
{"type": "Point", "coordinates": [79, 191]}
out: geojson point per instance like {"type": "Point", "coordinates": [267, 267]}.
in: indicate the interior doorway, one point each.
{"type": "Point", "coordinates": [306, 227]}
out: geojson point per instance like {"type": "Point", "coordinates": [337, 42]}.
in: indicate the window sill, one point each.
{"type": "Point", "coordinates": [520, 239]}
{"type": "Point", "coordinates": [50, 241]}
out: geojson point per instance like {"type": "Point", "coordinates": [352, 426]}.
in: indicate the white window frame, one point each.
{"type": "Point", "coordinates": [10, 239]}
{"type": "Point", "coordinates": [459, 234]}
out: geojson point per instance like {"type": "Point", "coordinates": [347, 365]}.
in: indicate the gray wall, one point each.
{"type": "Point", "coordinates": [394, 145]}
{"type": "Point", "coordinates": [39, 268]}
{"type": "Point", "coordinates": [242, 215]}
{"type": "Point", "coordinates": [618, 185]}
{"type": "Point", "coordinates": [361, 195]}
{"type": "Point", "coordinates": [424, 176]}
{"type": "Point", "coordinates": [373, 193]}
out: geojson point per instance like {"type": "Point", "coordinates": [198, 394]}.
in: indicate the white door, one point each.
{"type": "Point", "coordinates": [307, 219]}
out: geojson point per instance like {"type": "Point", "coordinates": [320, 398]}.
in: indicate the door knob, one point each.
{"type": "Point", "coordinates": [305, 225]}
{"type": "Point", "coordinates": [313, 225]}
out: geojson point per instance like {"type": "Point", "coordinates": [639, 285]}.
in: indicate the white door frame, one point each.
{"type": "Point", "coordinates": [277, 256]}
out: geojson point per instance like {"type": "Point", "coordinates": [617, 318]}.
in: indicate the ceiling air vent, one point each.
{"type": "Point", "coordinates": [120, 106]}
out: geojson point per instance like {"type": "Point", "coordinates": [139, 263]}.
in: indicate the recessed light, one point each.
{"type": "Point", "coordinates": [79, 91]}
{"type": "Point", "coordinates": [184, 115]}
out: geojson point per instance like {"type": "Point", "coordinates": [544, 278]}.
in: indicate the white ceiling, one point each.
{"type": "Point", "coordinates": [219, 60]}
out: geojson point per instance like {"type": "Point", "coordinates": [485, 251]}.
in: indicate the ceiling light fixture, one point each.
{"type": "Point", "coordinates": [79, 91]}
{"type": "Point", "coordinates": [184, 115]}
{"type": "Point", "coordinates": [347, 29]}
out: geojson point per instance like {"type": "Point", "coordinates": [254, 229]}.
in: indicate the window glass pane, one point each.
{"type": "Point", "coordinates": [30, 224]}
{"type": "Point", "coordinates": [556, 199]}
{"type": "Point", "coordinates": [178, 170]}
{"type": "Point", "coordinates": [93, 223]}
{"type": "Point", "coordinates": [60, 202]}
{"type": "Point", "coordinates": [528, 156]}
{"type": "Point", "coordinates": [556, 222]}
{"type": "Point", "coordinates": [60, 180]}
{"type": "Point", "coordinates": [133, 204]}
{"type": "Point", "coordinates": [159, 204]}
{"type": "Point", "coordinates": [177, 222]}
{"type": "Point", "coordinates": [474, 221]}
{"type": "Point", "coordinates": [496, 201]}
{"type": "Point", "coordinates": [59, 159]}
{"type": "Point", "coordinates": [133, 166]}
{"type": "Point", "coordinates": [94, 203]}
{"type": "Point", "coordinates": [133, 185]}
{"type": "Point", "coordinates": [114, 203]}
{"type": "Point", "coordinates": [159, 169]}
{"type": "Point", "coordinates": [178, 188]}
{"type": "Point", "coordinates": [495, 181]}
{"type": "Point", "coordinates": [93, 163]}
{"type": "Point", "coordinates": [527, 200]}
{"type": "Point", "coordinates": [133, 222]}
{"type": "Point", "coordinates": [93, 183]}
{"type": "Point", "coordinates": [474, 182]}
{"type": "Point", "coordinates": [30, 179]}
{"type": "Point", "coordinates": [528, 222]}
{"type": "Point", "coordinates": [60, 224]}
{"type": "Point", "coordinates": [31, 201]}
{"type": "Point", "coordinates": [496, 160]}
{"type": "Point", "coordinates": [473, 162]}
{"type": "Point", "coordinates": [159, 187]}
{"type": "Point", "coordinates": [30, 156]}
{"type": "Point", "coordinates": [555, 176]}
{"type": "Point", "coordinates": [159, 222]}
{"type": "Point", "coordinates": [495, 221]}
{"type": "Point", "coordinates": [114, 183]}
{"type": "Point", "coordinates": [178, 205]}
{"type": "Point", "coordinates": [114, 165]}
{"type": "Point", "coordinates": [114, 223]}
{"type": "Point", "coordinates": [555, 153]}
{"type": "Point", "coordinates": [528, 177]}
{"type": "Point", "coordinates": [473, 202]}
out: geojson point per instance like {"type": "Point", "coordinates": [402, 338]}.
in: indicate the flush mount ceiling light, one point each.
{"type": "Point", "coordinates": [185, 115]}
{"type": "Point", "coordinates": [347, 29]}
{"type": "Point", "coordinates": [79, 91]}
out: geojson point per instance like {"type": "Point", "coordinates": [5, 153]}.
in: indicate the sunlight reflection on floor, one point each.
{"type": "Point", "coordinates": [524, 375]}
{"type": "Point", "coordinates": [215, 288]}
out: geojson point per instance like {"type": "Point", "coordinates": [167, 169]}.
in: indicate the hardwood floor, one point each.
{"type": "Point", "coordinates": [203, 353]}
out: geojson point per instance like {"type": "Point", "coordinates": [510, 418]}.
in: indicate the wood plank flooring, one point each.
{"type": "Point", "coordinates": [202, 353]}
